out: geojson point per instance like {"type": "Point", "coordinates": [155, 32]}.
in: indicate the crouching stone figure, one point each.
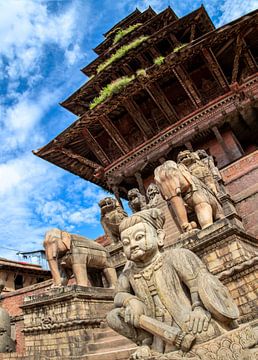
{"type": "Point", "coordinates": [166, 301]}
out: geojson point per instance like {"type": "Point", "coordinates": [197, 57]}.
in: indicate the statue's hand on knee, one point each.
{"type": "Point", "coordinates": [134, 308]}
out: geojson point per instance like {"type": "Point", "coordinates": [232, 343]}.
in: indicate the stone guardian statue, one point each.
{"type": "Point", "coordinates": [152, 306]}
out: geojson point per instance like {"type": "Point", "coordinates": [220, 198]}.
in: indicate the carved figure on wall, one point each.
{"type": "Point", "coordinates": [136, 200]}
{"type": "Point", "coordinates": [6, 343]}
{"type": "Point", "coordinates": [198, 168]}
{"type": "Point", "coordinates": [153, 195]}
{"type": "Point", "coordinates": [152, 307]}
{"type": "Point", "coordinates": [111, 216]}
{"type": "Point", "coordinates": [209, 161]}
{"type": "Point", "coordinates": [180, 187]}
{"type": "Point", "coordinates": [69, 254]}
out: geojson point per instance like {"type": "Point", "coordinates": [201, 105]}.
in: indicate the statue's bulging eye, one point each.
{"type": "Point", "coordinates": [139, 237]}
{"type": "Point", "coordinates": [126, 242]}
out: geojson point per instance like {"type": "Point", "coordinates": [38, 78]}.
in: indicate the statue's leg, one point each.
{"type": "Point", "coordinates": [111, 277]}
{"type": "Point", "coordinates": [203, 212]}
{"type": "Point", "coordinates": [117, 323]}
{"type": "Point", "coordinates": [218, 211]}
{"type": "Point", "coordinates": [80, 274]}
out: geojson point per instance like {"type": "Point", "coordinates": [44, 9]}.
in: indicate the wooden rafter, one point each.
{"type": "Point", "coordinates": [162, 102]}
{"type": "Point", "coordinates": [136, 114]}
{"type": "Point", "coordinates": [72, 155]}
{"type": "Point", "coordinates": [193, 32]}
{"type": "Point", "coordinates": [249, 58]}
{"type": "Point", "coordinates": [239, 48]}
{"type": "Point", "coordinates": [95, 147]}
{"type": "Point", "coordinates": [188, 85]}
{"type": "Point", "coordinates": [114, 134]}
{"type": "Point", "coordinates": [215, 68]}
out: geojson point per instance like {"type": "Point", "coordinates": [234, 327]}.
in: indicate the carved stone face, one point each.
{"type": "Point", "coordinates": [152, 191]}
{"type": "Point", "coordinates": [141, 242]}
{"type": "Point", "coordinates": [185, 157]}
{"type": "Point", "coordinates": [134, 197]}
{"type": "Point", "coordinates": [107, 204]}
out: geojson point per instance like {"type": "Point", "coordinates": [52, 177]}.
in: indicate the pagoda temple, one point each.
{"type": "Point", "coordinates": [161, 84]}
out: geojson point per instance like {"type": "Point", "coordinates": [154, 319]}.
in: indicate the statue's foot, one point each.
{"type": "Point", "coordinates": [142, 353]}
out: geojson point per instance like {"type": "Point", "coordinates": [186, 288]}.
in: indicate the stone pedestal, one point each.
{"type": "Point", "coordinates": [63, 321]}
{"type": "Point", "coordinates": [232, 255]}
{"type": "Point", "coordinates": [239, 344]}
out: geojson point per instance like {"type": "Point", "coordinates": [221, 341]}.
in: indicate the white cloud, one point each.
{"type": "Point", "coordinates": [232, 10]}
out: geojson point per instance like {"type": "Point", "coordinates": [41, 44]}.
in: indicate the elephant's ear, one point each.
{"type": "Point", "coordinates": [67, 239]}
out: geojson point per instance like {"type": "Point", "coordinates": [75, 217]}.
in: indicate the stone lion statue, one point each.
{"type": "Point", "coordinates": [73, 255]}
{"type": "Point", "coordinates": [111, 216]}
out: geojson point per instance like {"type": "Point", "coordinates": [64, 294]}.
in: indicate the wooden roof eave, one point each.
{"type": "Point", "coordinates": [172, 59]}
{"type": "Point", "coordinates": [91, 68]}
{"type": "Point", "coordinates": [106, 43]}
{"type": "Point", "coordinates": [183, 54]}
{"type": "Point", "coordinates": [98, 78]}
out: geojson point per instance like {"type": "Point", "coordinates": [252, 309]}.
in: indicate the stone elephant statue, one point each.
{"type": "Point", "coordinates": [73, 255]}
{"type": "Point", "coordinates": [181, 188]}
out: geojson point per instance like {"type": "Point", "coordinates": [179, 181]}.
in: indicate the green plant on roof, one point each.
{"type": "Point", "coordinates": [122, 32]}
{"type": "Point", "coordinates": [121, 52]}
{"type": "Point", "coordinates": [179, 47]}
{"type": "Point", "coordinates": [159, 60]}
{"type": "Point", "coordinates": [113, 88]}
{"type": "Point", "coordinates": [141, 72]}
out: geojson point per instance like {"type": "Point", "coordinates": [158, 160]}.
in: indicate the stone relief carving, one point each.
{"type": "Point", "coordinates": [153, 195]}
{"type": "Point", "coordinates": [6, 343]}
{"type": "Point", "coordinates": [136, 200]}
{"type": "Point", "coordinates": [153, 308]}
{"type": "Point", "coordinates": [198, 168]}
{"type": "Point", "coordinates": [69, 254]}
{"type": "Point", "coordinates": [111, 216]}
{"type": "Point", "coordinates": [186, 192]}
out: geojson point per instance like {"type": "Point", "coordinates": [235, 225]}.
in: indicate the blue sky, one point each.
{"type": "Point", "coordinates": [43, 46]}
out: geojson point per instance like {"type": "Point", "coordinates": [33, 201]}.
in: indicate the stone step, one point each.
{"type": "Point", "coordinates": [105, 334]}
{"type": "Point", "coordinates": [112, 343]}
{"type": "Point", "coordinates": [117, 354]}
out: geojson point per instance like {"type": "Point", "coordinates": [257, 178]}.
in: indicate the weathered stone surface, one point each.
{"type": "Point", "coordinates": [111, 216]}
{"type": "Point", "coordinates": [73, 254]}
{"type": "Point", "coordinates": [151, 305]}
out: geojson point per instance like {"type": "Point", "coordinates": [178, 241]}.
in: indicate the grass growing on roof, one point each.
{"type": "Point", "coordinates": [159, 60]}
{"type": "Point", "coordinates": [122, 32]}
{"type": "Point", "coordinates": [141, 72]}
{"type": "Point", "coordinates": [113, 88]}
{"type": "Point", "coordinates": [121, 52]}
{"type": "Point", "coordinates": [179, 47]}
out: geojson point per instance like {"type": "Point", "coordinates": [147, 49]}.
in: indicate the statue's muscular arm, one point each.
{"type": "Point", "coordinates": [188, 267]}
{"type": "Point", "coordinates": [132, 307]}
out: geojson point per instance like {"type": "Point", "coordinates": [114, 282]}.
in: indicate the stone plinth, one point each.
{"type": "Point", "coordinates": [239, 344]}
{"type": "Point", "coordinates": [232, 255]}
{"type": "Point", "coordinates": [62, 321]}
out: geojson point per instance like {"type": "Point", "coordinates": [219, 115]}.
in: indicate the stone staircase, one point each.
{"type": "Point", "coordinates": [109, 345]}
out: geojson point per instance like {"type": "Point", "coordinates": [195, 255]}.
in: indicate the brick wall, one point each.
{"type": "Point", "coordinates": [241, 181]}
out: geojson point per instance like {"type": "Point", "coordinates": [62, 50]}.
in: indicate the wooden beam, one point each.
{"type": "Point", "coordinates": [139, 118]}
{"type": "Point", "coordinates": [95, 147]}
{"type": "Point", "coordinates": [114, 133]}
{"type": "Point", "coordinates": [188, 85]}
{"type": "Point", "coordinates": [215, 68]}
{"type": "Point", "coordinates": [249, 57]}
{"type": "Point", "coordinates": [139, 180]}
{"type": "Point", "coordinates": [222, 143]}
{"type": "Point", "coordinates": [220, 51]}
{"type": "Point", "coordinates": [81, 159]}
{"type": "Point", "coordinates": [193, 32]}
{"type": "Point", "coordinates": [162, 102]}
{"type": "Point", "coordinates": [239, 47]}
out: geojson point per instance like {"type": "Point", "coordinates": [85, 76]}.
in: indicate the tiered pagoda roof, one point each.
{"type": "Point", "coordinates": [184, 80]}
